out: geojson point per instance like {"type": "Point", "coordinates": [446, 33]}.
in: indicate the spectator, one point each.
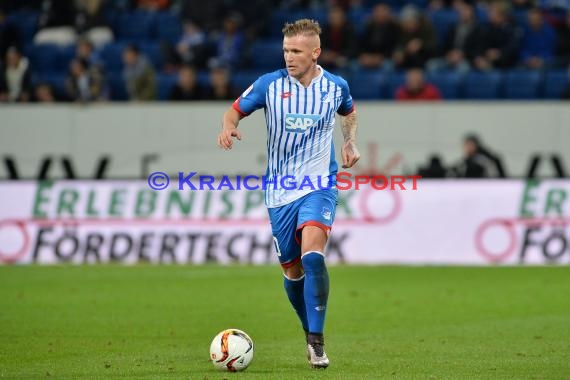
{"type": "Point", "coordinates": [499, 43]}
{"type": "Point", "coordinates": [256, 15]}
{"type": "Point", "coordinates": [8, 6]}
{"type": "Point", "coordinates": [304, 4]}
{"type": "Point", "coordinates": [338, 40]}
{"type": "Point", "coordinates": [416, 88]}
{"type": "Point", "coordinates": [15, 82]}
{"type": "Point", "coordinates": [206, 14]}
{"type": "Point", "coordinates": [153, 5]}
{"type": "Point", "coordinates": [449, 4]}
{"type": "Point", "coordinates": [434, 169]}
{"type": "Point", "coordinates": [90, 22]}
{"type": "Point", "coordinates": [43, 93]}
{"type": "Point", "coordinates": [139, 75]}
{"type": "Point", "coordinates": [86, 51]}
{"type": "Point", "coordinates": [346, 5]}
{"type": "Point", "coordinates": [220, 87]}
{"type": "Point", "coordinates": [55, 13]}
{"type": "Point", "coordinates": [539, 41]}
{"type": "Point", "coordinates": [479, 161]}
{"type": "Point", "coordinates": [440, 4]}
{"type": "Point", "coordinates": [9, 35]}
{"type": "Point", "coordinates": [379, 39]}
{"type": "Point", "coordinates": [56, 23]}
{"type": "Point", "coordinates": [187, 87]}
{"type": "Point", "coordinates": [191, 47]}
{"type": "Point", "coordinates": [523, 4]}
{"type": "Point", "coordinates": [417, 41]}
{"type": "Point", "coordinates": [460, 43]}
{"type": "Point", "coordinates": [230, 43]}
{"type": "Point", "coordinates": [83, 83]}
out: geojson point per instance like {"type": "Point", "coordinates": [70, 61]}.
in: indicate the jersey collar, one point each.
{"type": "Point", "coordinates": [314, 80]}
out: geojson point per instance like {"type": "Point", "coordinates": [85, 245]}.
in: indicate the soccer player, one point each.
{"type": "Point", "coordinates": [300, 103]}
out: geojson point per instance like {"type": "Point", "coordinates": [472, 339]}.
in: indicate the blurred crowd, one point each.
{"type": "Point", "coordinates": [199, 48]}
{"type": "Point", "coordinates": [478, 161]}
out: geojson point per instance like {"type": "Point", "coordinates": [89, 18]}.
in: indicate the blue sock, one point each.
{"type": "Point", "coordinates": [295, 292]}
{"type": "Point", "coordinates": [316, 290]}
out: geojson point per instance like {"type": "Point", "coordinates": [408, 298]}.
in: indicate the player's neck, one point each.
{"type": "Point", "coordinates": [311, 74]}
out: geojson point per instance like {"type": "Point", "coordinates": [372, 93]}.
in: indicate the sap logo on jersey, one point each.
{"type": "Point", "coordinates": [299, 123]}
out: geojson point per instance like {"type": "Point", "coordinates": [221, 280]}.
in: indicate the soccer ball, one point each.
{"type": "Point", "coordinates": [231, 350]}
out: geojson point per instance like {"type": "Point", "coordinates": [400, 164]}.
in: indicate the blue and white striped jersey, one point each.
{"type": "Point", "coordinates": [300, 123]}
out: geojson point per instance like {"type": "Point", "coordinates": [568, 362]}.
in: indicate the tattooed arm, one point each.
{"type": "Point", "coordinates": [349, 152]}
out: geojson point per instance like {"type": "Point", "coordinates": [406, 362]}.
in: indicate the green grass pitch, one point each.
{"type": "Point", "coordinates": [156, 322]}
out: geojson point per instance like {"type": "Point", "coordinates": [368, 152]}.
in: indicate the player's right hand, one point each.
{"type": "Point", "coordinates": [225, 138]}
{"type": "Point", "coordinates": [350, 154]}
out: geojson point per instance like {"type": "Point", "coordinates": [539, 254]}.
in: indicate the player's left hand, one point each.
{"type": "Point", "coordinates": [350, 154]}
{"type": "Point", "coordinates": [225, 138]}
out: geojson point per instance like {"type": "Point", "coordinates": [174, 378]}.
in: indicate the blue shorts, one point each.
{"type": "Point", "coordinates": [314, 209]}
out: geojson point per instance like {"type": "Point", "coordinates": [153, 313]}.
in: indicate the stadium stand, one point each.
{"type": "Point", "coordinates": [483, 86]}
{"type": "Point", "coordinates": [156, 34]}
{"type": "Point", "coordinates": [375, 87]}
{"type": "Point", "coordinates": [448, 83]}
{"type": "Point", "coordinates": [522, 84]}
{"type": "Point", "coordinates": [554, 84]}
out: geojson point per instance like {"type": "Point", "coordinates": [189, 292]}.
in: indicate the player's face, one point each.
{"type": "Point", "coordinates": [300, 53]}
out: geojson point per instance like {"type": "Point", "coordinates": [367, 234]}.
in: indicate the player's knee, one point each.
{"type": "Point", "coordinates": [314, 239]}
{"type": "Point", "coordinates": [313, 262]}
{"type": "Point", "coordinates": [294, 272]}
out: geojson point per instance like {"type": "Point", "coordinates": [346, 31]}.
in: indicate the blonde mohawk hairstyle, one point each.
{"type": "Point", "coordinates": [302, 27]}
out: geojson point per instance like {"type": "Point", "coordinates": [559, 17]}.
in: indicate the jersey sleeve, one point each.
{"type": "Point", "coordinates": [253, 98]}
{"type": "Point", "coordinates": [346, 106]}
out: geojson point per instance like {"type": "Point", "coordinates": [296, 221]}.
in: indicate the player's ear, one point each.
{"type": "Point", "coordinates": [316, 53]}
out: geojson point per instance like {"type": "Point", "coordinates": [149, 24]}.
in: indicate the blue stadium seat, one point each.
{"type": "Point", "coordinates": [66, 55]}
{"type": "Point", "coordinates": [135, 26]}
{"type": "Point", "coordinates": [520, 17]}
{"type": "Point", "coordinates": [422, 4]}
{"type": "Point", "coordinates": [280, 17]}
{"type": "Point", "coordinates": [395, 80]}
{"type": "Point", "coordinates": [448, 83]}
{"type": "Point", "coordinates": [168, 27]}
{"type": "Point", "coordinates": [55, 80]}
{"type": "Point", "coordinates": [204, 78]}
{"type": "Point", "coordinates": [367, 85]}
{"type": "Point", "coordinates": [483, 85]}
{"type": "Point", "coordinates": [358, 17]}
{"type": "Point", "coordinates": [152, 51]}
{"type": "Point", "coordinates": [320, 15]}
{"type": "Point", "coordinates": [165, 84]}
{"type": "Point", "coordinates": [522, 84]}
{"type": "Point", "coordinates": [443, 21]}
{"type": "Point", "coordinates": [117, 86]}
{"type": "Point", "coordinates": [44, 58]}
{"type": "Point", "coordinates": [395, 5]}
{"type": "Point", "coordinates": [112, 55]}
{"type": "Point", "coordinates": [481, 14]}
{"type": "Point", "coordinates": [554, 83]}
{"type": "Point", "coordinates": [241, 80]}
{"type": "Point", "coordinates": [26, 23]}
{"type": "Point", "coordinates": [268, 54]}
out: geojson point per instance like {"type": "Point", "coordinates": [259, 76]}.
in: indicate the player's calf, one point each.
{"type": "Point", "coordinates": [316, 297]}
{"type": "Point", "coordinates": [316, 290]}
{"type": "Point", "coordinates": [294, 287]}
